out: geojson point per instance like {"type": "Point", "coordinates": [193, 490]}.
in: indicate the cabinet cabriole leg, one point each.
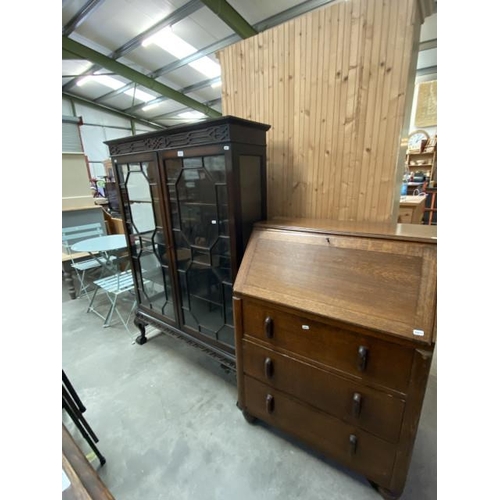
{"type": "Point", "coordinates": [141, 339]}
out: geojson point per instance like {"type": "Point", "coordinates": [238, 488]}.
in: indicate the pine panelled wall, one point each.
{"type": "Point", "coordinates": [333, 84]}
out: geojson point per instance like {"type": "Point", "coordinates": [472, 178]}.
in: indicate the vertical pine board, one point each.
{"type": "Point", "coordinates": [313, 94]}
{"type": "Point", "coordinates": [287, 116]}
{"type": "Point", "coordinates": [333, 86]}
{"type": "Point", "coordinates": [297, 117]}
{"type": "Point", "coordinates": [325, 157]}
{"type": "Point", "coordinates": [368, 92]}
{"type": "Point", "coordinates": [334, 79]}
{"type": "Point", "coordinates": [358, 189]}
{"type": "Point", "coordinates": [386, 72]}
{"type": "Point", "coordinates": [344, 46]}
{"type": "Point", "coordinates": [379, 61]}
{"type": "Point", "coordinates": [322, 167]}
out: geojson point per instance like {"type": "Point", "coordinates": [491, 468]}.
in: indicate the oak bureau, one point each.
{"type": "Point", "coordinates": [335, 330]}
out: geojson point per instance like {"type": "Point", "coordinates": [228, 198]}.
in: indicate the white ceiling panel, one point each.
{"type": "Point", "coordinates": [90, 91]}
{"type": "Point", "coordinates": [116, 22]}
{"type": "Point", "coordinates": [186, 76]}
{"type": "Point", "coordinates": [163, 108]}
{"type": "Point", "coordinates": [198, 33]}
{"type": "Point", "coordinates": [205, 94]}
{"type": "Point", "coordinates": [74, 66]}
{"type": "Point", "coordinates": [152, 57]}
{"type": "Point", "coordinates": [210, 24]}
{"type": "Point", "coordinates": [258, 10]}
{"type": "Point", "coordinates": [70, 8]}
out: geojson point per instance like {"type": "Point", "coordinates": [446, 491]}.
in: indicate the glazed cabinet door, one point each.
{"type": "Point", "coordinates": [197, 185]}
{"type": "Point", "coordinates": [137, 177]}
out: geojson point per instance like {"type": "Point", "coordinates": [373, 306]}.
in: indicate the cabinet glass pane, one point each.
{"type": "Point", "coordinates": [221, 259]}
{"type": "Point", "coordinates": [199, 224]}
{"type": "Point", "coordinates": [216, 167]}
{"type": "Point", "coordinates": [173, 168]}
{"type": "Point", "coordinates": [210, 317]}
{"type": "Point", "coordinates": [135, 176]}
{"type": "Point", "coordinates": [182, 251]}
{"type": "Point", "coordinates": [201, 233]}
{"type": "Point", "coordinates": [204, 284]}
{"type": "Point", "coordinates": [148, 248]}
{"type": "Point", "coordinates": [192, 163]}
{"type": "Point", "coordinates": [194, 185]}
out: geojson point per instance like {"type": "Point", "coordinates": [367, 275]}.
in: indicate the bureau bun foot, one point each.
{"type": "Point", "coordinates": [384, 493]}
{"type": "Point", "coordinates": [249, 418]}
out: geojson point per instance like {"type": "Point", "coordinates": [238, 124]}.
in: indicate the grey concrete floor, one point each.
{"type": "Point", "coordinates": [167, 422]}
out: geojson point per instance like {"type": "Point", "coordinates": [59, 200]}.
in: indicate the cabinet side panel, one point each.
{"type": "Point", "coordinates": [238, 332]}
{"type": "Point", "coordinates": [250, 194]}
{"type": "Point", "coordinates": [420, 373]}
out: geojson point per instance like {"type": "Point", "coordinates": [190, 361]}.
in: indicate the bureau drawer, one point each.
{"type": "Point", "coordinates": [366, 357]}
{"type": "Point", "coordinates": [370, 409]}
{"type": "Point", "coordinates": [355, 448]}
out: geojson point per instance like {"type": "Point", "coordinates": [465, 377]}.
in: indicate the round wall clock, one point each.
{"type": "Point", "coordinates": [415, 139]}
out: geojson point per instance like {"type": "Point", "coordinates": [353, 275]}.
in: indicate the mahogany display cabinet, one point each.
{"type": "Point", "coordinates": [335, 333]}
{"type": "Point", "coordinates": [189, 196]}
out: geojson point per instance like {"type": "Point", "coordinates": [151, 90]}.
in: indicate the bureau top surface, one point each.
{"type": "Point", "coordinates": [381, 281]}
{"type": "Point", "coordinates": [379, 230]}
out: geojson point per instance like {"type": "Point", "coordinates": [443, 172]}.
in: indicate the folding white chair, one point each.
{"type": "Point", "coordinates": [114, 286]}
{"type": "Point", "coordinates": [81, 265]}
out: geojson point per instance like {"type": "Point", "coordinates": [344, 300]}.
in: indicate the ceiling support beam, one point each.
{"type": "Point", "coordinates": [85, 102]}
{"type": "Point", "coordinates": [110, 64]}
{"type": "Point", "coordinates": [428, 45]}
{"type": "Point", "coordinates": [81, 15]}
{"type": "Point", "coordinates": [185, 90]}
{"type": "Point", "coordinates": [176, 16]}
{"type": "Point", "coordinates": [291, 13]}
{"type": "Point", "coordinates": [231, 17]}
{"type": "Point", "coordinates": [430, 70]}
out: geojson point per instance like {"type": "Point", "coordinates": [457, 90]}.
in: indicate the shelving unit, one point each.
{"type": "Point", "coordinates": [430, 210]}
{"type": "Point", "coordinates": [425, 160]}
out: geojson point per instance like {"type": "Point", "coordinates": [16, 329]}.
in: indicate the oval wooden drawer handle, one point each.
{"type": "Point", "coordinates": [268, 368]}
{"type": "Point", "coordinates": [356, 404]}
{"type": "Point", "coordinates": [269, 403]}
{"type": "Point", "coordinates": [268, 326]}
{"type": "Point", "coordinates": [353, 444]}
{"type": "Point", "coordinates": [362, 357]}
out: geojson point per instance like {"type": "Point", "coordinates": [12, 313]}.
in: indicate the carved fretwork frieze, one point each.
{"type": "Point", "coordinates": [209, 135]}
